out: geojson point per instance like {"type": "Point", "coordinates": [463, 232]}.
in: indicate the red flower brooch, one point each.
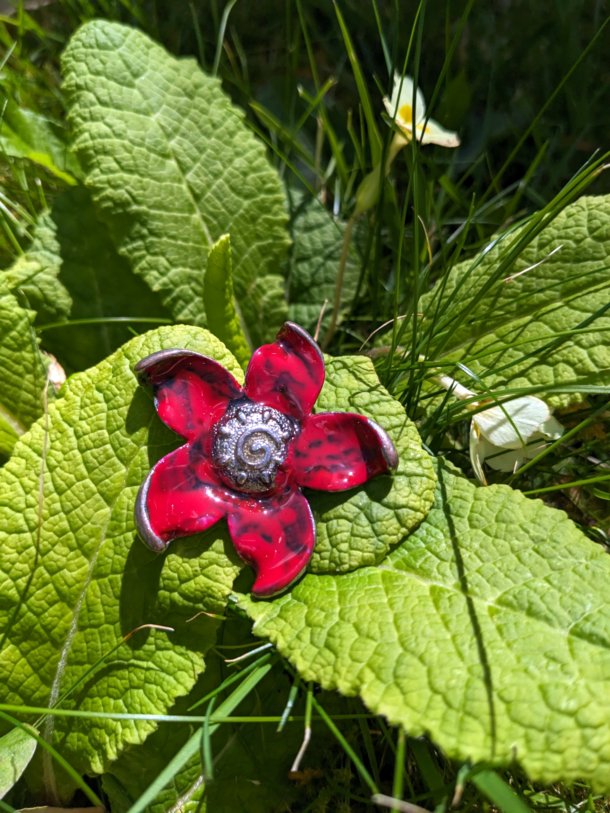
{"type": "Point", "coordinates": [249, 451]}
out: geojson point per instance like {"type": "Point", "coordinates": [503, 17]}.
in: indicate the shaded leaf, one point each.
{"type": "Point", "coordinates": [22, 370]}
{"type": "Point", "coordinates": [26, 134]}
{"type": "Point", "coordinates": [139, 765]}
{"type": "Point", "coordinates": [34, 276]}
{"type": "Point", "coordinates": [251, 761]}
{"type": "Point", "coordinates": [314, 263]}
{"type": "Point", "coordinates": [488, 628]}
{"type": "Point", "coordinates": [173, 168]}
{"type": "Point", "coordinates": [100, 283]}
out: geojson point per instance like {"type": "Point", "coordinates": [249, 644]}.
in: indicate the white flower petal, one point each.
{"type": "Point", "coordinates": [504, 437]}
{"type": "Point", "coordinates": [551, 428]}
{"type": "Point", "coordinates": [509, 460]}
{"type": "Point", "coordinates": [511, 425]}
{"type": "Point", "coordinates": [477, 453]}
{"type": "Point", "coordinates": [482, 451]}
{"type": "Point", "coordinates": [435, 134]}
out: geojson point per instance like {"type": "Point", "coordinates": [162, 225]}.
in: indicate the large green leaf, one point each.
{"type": "Point", "coordinates": [22, 369]}
{"type": "Point", "coordinates": [99, 281]}
{"type": "Point", "coordinates": [488, 629]}
{"type": "Point", "coordinates": [314, 264]}
{"type": "Point", "coordinates": [359, 527]}
{"type": "Point", "coordinates": [540, 319]}
{"type": "Point", "coordinates": [173, 167]}
{"type": "Point", "coordinates": [74, 579]}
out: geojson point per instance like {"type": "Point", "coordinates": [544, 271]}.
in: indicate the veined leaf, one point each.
{"type": "Point", "coordinates": [358, 527]}
{"type": "Point", "coordinates": [488, 628]}
{"type": "Point", "coordinates": [26, 134]}
{"type": "Point", "coordinates": [173, 168]}
{"type": "Point", "coordinates": [34, 276]}
{"type": "Point", "coordinates": [16, 751]}
{"type": "Point", "coordinates": [314, 264]}
{"type": "Point", "coordinates": [74, 579]}
{"type": "Point", "coordinates": [542, 320]}
{"type": "Point", "coordinates": [223, 318]}
{"type": "Point", "coordinates": [9, 434]}
{"type": "Point", "coordinates": [22, 370]}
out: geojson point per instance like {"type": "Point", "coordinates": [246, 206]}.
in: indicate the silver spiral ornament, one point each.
{"type": "Point", "coordinates": [250, 444]}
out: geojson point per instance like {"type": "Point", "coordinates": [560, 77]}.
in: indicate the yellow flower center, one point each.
{"type": "Point", "coordinates": [405, 111]}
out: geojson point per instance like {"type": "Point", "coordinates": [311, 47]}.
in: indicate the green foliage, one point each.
{"type": "Point", "coordinates": [221, 312]}
{"type": "Point", "coordinates": [16, 751]}
{"type": "Point", "coordinates": [34, 276]}
{"type": "Point", "coordinates": [471, 615]}
{"type": "Point", "coordinates": [23, 376]}
{"type": "Point", "coordinates": [76, 583]}
{"type": "Point", "coordinates": [173, 168]}
{"type": "Point", "coordinates": [487, 628]}
{"type": "Point", "coordinates": [74, 242]}
{"type": "Point", "coordinates": [359, 527]}
{"type": "Point", "coordinates": [532, 310]}
{"type": "Point", "coordinates": [250, 762]}
{"type": "Point", "coordinates": [26, 134]}
{"type": "Point", "coordinates": [316, 254]}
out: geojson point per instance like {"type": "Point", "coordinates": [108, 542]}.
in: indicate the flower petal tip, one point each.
{"type": "Point", "coordinates": [142, 518]}
{"type": "Point", "coordinates": [290, 331]}
{"type": "Point", "coordinates": [277, 539]}
{"type": "Point", "coordinates": [159, 363]}
{"type": "Point", "coordinates": [386, 445]}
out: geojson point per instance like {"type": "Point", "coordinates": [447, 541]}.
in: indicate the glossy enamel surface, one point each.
{"type": "Point", "coordinates": [179, 497]}
{"type": "Point", "coordinates": [276, 537]}
{"type": "Point", "coordinates": [288, 374]}
{"type": "Point", "coordinates": [249, 451]}
{"type": "Point", "coordinates": [191, 391]}
{"type": "Point", "coordinates": [339, 450]}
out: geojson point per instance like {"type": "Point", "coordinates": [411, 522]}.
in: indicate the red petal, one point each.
{"type": "Point", "coordinates": [288, 374]}
{"type": "Point", "coordinates": [180, 496]}
{"type": "Point", "coordinates": [191, 391]}
{"type": "Point", "coordinates": [275, 535]}
{"type": "Point", "coordinates": [339, 450]}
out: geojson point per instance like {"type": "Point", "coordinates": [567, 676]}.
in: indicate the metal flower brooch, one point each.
{"type": "Point", "coordinates": [250, 450]}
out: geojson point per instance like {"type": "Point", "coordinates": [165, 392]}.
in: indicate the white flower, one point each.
{"type": "Point", "coordinates": [400, 109]}
{"type": "Point", "coordinates": [507, 435]}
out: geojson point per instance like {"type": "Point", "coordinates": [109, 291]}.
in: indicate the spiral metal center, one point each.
{"type": "Point", "coordinates": [250, 444]}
